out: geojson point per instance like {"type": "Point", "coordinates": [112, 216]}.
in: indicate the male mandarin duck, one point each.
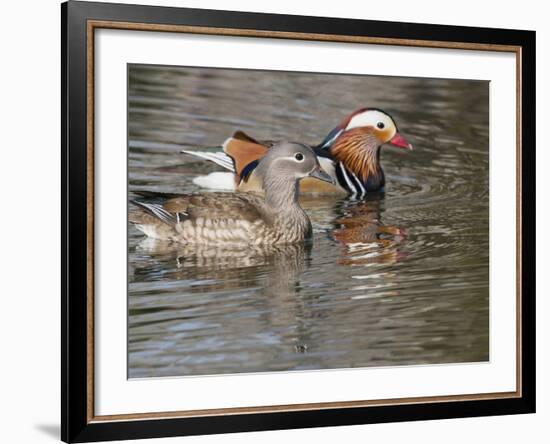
{"type": "Point", "coordinates": [350, 153]}
{"type": "Point", "coordinates": [240, 218]}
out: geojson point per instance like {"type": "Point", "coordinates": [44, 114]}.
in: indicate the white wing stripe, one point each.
{"type": "Point", "coordinates": [358, 181]}
{"type": "Point", "coordinates": [351, 186]}
{"type": "Point", "coordinates": [218, 158]}
{"type": "Point", "coordinates": [160, 212]}
{"type": "Point", "coordinates": [332, 139]}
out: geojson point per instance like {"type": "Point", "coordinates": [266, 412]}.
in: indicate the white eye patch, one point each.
{"type": "Point", "coordinates": [373, 118]}
{"type": "Point", "coordinates": [294, 158]}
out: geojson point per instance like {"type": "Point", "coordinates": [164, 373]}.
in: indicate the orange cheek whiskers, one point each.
{"type": "Point", "coordinates": [358, 152]}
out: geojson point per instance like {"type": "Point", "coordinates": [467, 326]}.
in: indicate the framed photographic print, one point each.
{"type": "Point", "coordinates": [276, 221]}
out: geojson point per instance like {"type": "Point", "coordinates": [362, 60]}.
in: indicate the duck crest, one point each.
{"type": "Point", "coordinates": [359, 151]}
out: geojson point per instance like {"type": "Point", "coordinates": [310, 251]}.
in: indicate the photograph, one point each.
{"type": "Point", "coordinates": [283, 221]}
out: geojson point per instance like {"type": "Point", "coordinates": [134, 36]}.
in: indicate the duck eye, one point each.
{"type": "Point", "coordinates": [380, 125]}
{"type": "Point", "coordinates": [299, 157]}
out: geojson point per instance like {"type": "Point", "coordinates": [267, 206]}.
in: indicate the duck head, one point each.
{"type": "Point", "coordinates": [290, 162]}
{"type": "Point", "coordinates": [378, 123]}
{"type": "Point", "coordinates": [283, 166]}
{"type": "Point", "coordinates": [357, 140]}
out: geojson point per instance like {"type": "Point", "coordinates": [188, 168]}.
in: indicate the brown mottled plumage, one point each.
{"type": "Point", "coordinates": [239, 218]}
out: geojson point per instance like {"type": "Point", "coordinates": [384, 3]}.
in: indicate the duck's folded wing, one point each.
{"type": "Point", "coordinates": [239, 150]}
{"type": "Point", "coordinates": [216, 206]}
{"type": "Point", "coordinates": [244, 150]}
{"type": "Point", "coordinates": [154, 212]}
{"type": "Point", "coordinates": [241, 135]}
{"type": "Point", "coordinates": [218, 157]}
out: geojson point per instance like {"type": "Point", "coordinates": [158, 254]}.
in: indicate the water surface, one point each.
{"type": "Point", "coordinates": [399, 278]}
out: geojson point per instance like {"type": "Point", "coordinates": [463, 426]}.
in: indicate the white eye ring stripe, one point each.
{"type": "Point", "coordinates": [291, 158]}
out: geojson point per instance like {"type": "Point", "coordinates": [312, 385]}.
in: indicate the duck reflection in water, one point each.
{"type": "Point", "coordinates": [364, 238]}
{"type": "Point", "coordinates": [276, 270]}
{"type": "Point", "coordinates": [228, 265]}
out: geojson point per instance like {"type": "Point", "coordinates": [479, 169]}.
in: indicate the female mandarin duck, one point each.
{"type": "Point", "coordinates": [350, 154]}
{"type": "Point", "coordinates": [240, 218]}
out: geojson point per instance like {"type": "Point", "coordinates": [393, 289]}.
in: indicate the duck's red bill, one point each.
{"type": "Point", "coordinates": [399, 141]}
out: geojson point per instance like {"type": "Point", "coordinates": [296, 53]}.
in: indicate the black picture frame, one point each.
{"type": "Point", "coordinates": [76, 423]}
